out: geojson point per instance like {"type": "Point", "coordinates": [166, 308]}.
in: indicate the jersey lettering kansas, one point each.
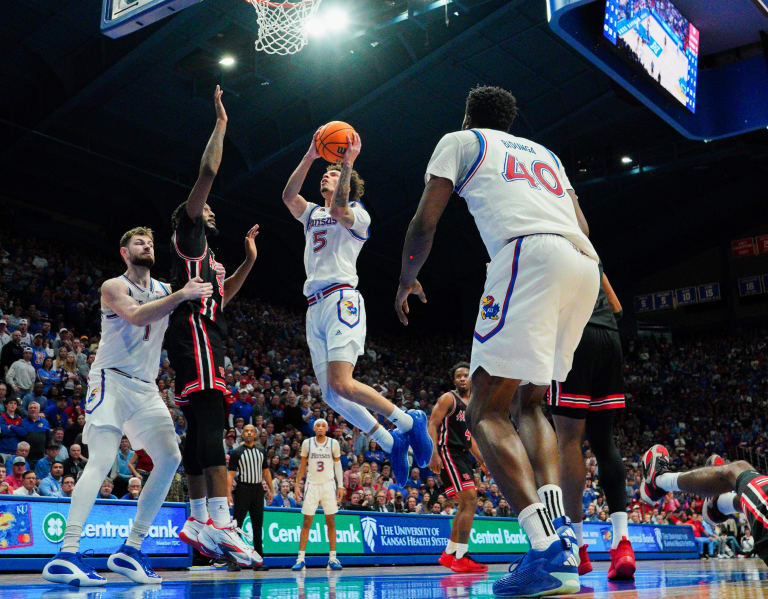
{"type": "Point", "coordinates": [512, 186]}
{"type": "Point", "coordinates": [330, 249]}
{"type": "Point", "coordinates": [320, 457]}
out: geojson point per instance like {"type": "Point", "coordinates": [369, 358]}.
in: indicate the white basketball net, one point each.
{"type": "Point", "coordinates": [282, 26]}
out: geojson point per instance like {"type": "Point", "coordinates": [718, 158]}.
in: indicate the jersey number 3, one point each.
{"type": "Point", "coordinates": [540, 175]}
{"type": "Point", "coordinates": [320, 466]}
{"type": "Point", "coordinates": [318, 238]}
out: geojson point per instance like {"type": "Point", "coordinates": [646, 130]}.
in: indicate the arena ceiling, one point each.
{"type": "Point", "coordinates": [109, 132]}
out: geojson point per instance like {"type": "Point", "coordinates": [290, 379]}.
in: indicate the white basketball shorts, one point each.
{"type": "Point", "coordinates": [336, 328]}
{"type": "Point", "coordinates": [323, 494]}
{"type": "Point", "coordinates": [127, 405]}
{"type": "Point", "coordinates": [539, 293]}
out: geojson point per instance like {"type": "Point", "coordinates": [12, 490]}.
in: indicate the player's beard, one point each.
{"type": "Point", "coordinates": [146, 262]}
{"type": "Point", "coordinates": [211, 232]}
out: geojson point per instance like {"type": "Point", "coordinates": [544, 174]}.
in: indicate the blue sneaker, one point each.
{"type": "Point", "coordinates": [299, 566]}
{"type": "Point", "coordinates": [132, 563]}
{"type": "Point", "coordinates": [539, 573]}
{"type": "Point", "coordinates": [399, 457]}
{"type": "Point", "coordinates": [563, 527]}
{"type": "Point", "coordinates": [334, 564]}
{"type": "Point", "coordinates": [419, 439]}
{"type": "Point", "coordinates": [69, 568]}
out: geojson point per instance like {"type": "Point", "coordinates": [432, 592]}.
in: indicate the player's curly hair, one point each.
{"type": "Point", "coordinates": [491, 107]}
{"type": "Point", "coordinates": [356, 183]}
{"type": "Point", "coordinates": [176, 215]}
{"type": "Point", "coordinates": [456, 366]}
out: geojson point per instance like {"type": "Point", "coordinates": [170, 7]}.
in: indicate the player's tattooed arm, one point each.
{"type": "Point", "coordinates": [114, 295]}
{"type": "Point", "coordinates": [210, 162]}
{"type": "Point", "coordinates": [418, 241]}
{"type": "Point", "coordinates": [340, 201]}
{"type": "Point", "coordinates": [291, 197]}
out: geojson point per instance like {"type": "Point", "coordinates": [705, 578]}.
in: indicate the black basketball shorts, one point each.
{"type": "Point", "coordinates": [457, 468]}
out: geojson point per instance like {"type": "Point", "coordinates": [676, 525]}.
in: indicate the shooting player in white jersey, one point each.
{"type": "Point", "coordinates": [123, 399]}
{"type": "Point", "coordinates": [540, 289]}
{"type": "Point", "coordinates": [321, 462]}
{"type": "Point", "coordinates": [335, 233]}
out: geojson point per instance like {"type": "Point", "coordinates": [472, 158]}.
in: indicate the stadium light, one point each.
{"type": "Point", "coordinates": [332, 20]}
{"type": "Point", "coordinates": [227, 61]}
{"type": "Point", "coordinates": [626, 160]}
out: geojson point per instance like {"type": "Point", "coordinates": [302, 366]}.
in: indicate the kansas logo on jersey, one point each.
{"type": "Point", "coordinates": [490, 308]}
{"type": "Point", "coordinates": [350, 307]}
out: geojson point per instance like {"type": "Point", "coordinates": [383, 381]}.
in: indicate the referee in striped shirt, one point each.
{"type": "Point", "coordinates": [248, 463]}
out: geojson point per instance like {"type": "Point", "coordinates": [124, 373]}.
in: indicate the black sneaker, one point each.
{"type": "Point", "coordinates": [260, 568]}
{"type": "Point", "coordinates": [232, 567]}
{"type": "Point", "coordinates": [711, 513]}
{"type": "Point", "coordinates": [655, 462]}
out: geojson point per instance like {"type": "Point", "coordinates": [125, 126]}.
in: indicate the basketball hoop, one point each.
{"type": "Point", "coordinates": [282, 25]}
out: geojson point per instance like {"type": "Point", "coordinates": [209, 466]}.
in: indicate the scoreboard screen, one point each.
{"type": "Point", "coordinates": [653, 35]}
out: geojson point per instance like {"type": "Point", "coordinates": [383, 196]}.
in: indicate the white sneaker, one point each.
{"type": "Point", "coordinates": [228, 541]}
{"type": "Point", "coordinates": [190, 535]}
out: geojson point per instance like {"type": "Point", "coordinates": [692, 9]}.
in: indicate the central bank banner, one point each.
{"type": "Point", "coordinates": [366, 533]}
{"type": "Point", "coordinates": [35, 527]}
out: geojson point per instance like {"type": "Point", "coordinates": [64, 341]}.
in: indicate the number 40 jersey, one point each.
{"type": "Point", "coordinates": [513, 187]}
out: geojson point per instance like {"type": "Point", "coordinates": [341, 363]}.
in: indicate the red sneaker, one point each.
{"type": "Point", "coordinates": [446, 560]}
{"type": "Point", "coordinates": [467, 564]}
{"type": "Point", "coordinates": [622, 561]}
{"type": "Point", "coordinates": [585, 566]}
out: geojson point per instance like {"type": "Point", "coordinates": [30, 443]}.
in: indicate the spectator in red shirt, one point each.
{"type": "Point", "coordinates": [700, 535]}
{"type": "Point", "coordinates": [16, 477]}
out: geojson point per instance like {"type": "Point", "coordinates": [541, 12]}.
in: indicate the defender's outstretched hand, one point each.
{"type": "Point", "coordinates": [401, 299]}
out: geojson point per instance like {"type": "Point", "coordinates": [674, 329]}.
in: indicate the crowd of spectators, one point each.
{"type": "Point", "coordinates": [702, 395]}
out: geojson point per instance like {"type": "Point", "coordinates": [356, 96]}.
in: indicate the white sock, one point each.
{"type": "Point", "coordinates": [331, 556]}
{"type": "Point", "coordinates": [383, 437]}
{"type": "Point", "coordinates": [537, 524]}
{"type": "Point", "coordinates": [219, 507]}
{"type": "Point", "coordinates": [725, 503]}
{"type": "Point", "coordinates": [139, 530]}
{"type": "Point", "coordinates": [461, 550]}
{"type": "Point", "coordinates": [578, 529]}
{"type": "Point", "coordinates": [401, 420]}
{"type": "Point", "coordinates": [450, 548]}
{"type": "Point", "coordinates": [668, 481]}
{"type": "Point", "coordinates": [552, 497]}
{"type": "Point", "coordinates": [198, 509]}
{"type": "Point", "coordinates": [620, 527]}
{"type": "Point", "coordinates": [300, 557]}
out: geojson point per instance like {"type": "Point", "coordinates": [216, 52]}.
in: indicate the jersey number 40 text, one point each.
{"type": "Point", "coordinates": [539, 175]}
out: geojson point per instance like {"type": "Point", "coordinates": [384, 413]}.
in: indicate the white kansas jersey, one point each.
{"type": "Point", "coordinates": [512, 186]}
{"type": "Point", "coordinates": [132, 350]}
{"type": "Point", "coordinates": [330, 249]}
{"type": "Point", "coordinates": [320, 459]}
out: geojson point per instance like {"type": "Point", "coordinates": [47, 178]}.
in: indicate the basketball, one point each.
{"type": "Point", "coordinates": [332, 140]}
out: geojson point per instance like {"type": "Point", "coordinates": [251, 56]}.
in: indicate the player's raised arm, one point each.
{"type": "Point", "coordinates": [418, 241]}
{"type": "Point", "coordinates": [115, 296]}
{"type": "Point", "coordinates": [438, 413]}
{"type": "Point", "coordinates": [291, 198]}
{"type": "Point", "coordinates": [210, 162]}
{"type": "Point", "coordinates": [233, 284]}
{"type": "Point", "coordinates": [340, 201]}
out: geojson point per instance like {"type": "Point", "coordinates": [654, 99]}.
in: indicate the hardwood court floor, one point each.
{"type": "Point", "coordinates": [713, 579]}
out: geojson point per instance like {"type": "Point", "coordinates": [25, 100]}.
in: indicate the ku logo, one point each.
{"type": "Point", "coordinates": [350, 307]}
{"type": "Point", "coordinates": [490, 308]}
{"type": "Point", "coordinates": [92, 395]}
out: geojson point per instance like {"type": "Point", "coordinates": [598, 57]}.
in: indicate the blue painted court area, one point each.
{"type": "Point", "coordinates": [689, 578]}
